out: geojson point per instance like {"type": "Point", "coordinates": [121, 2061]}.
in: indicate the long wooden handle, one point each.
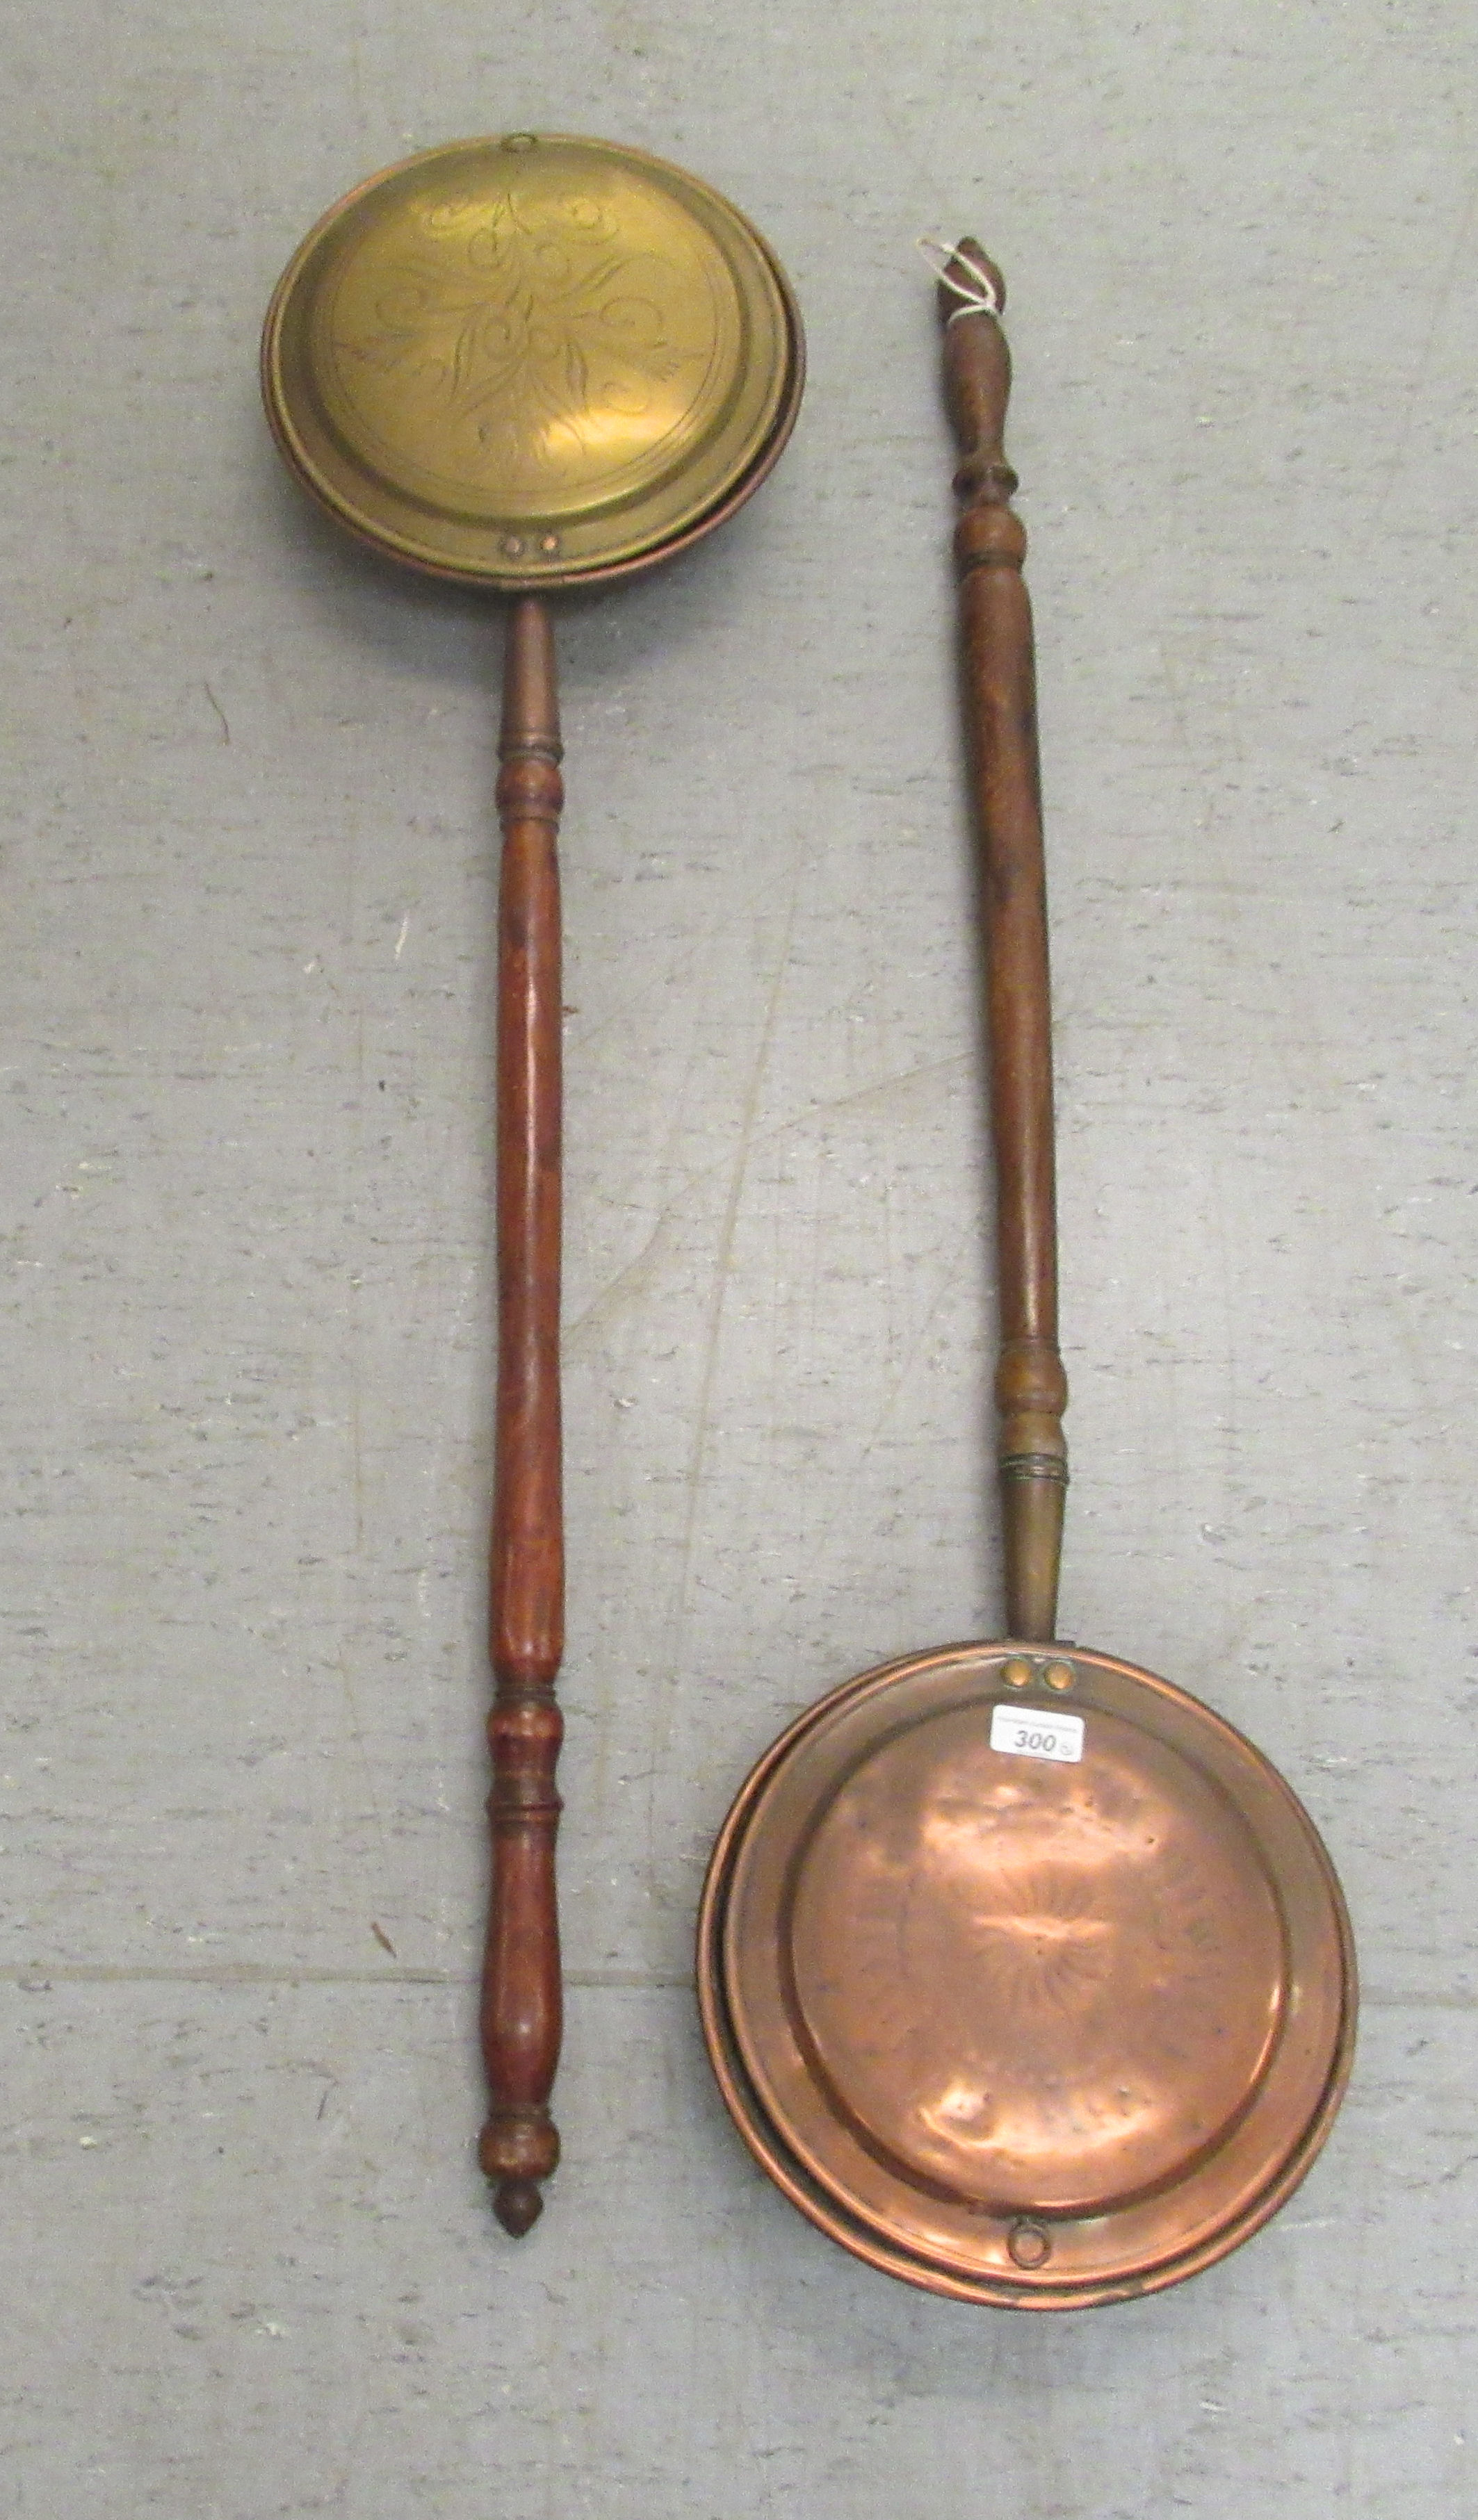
{"type": "Point", "coordinates": [1000, 684]}
{"type": "Point", "coordinates": [521, 2011]}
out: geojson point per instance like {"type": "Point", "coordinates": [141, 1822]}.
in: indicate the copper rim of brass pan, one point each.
{"type": "Point", "coordinates": [1022, 1972]}
{"type": "Point", "coordinates": [533, 362]}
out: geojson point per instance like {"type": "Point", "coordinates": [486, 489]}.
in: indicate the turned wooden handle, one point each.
{"type": "Point", "coordinates": [522, 2011]}
{"type": "Point", "coordinates": [1000, 686]}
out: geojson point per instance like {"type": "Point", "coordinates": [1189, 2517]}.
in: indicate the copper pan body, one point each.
{"type": "Point", "coordinates": [1034, 2031]}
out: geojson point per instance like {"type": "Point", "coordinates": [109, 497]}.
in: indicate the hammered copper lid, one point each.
{"type": "Point", "coordinates": [532, 361]}
{"type": "Point", "coordinates": [1043, 2026]}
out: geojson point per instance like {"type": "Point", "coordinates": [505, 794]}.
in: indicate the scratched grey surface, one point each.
{"type": "Point", "coordinates": [247, 893]}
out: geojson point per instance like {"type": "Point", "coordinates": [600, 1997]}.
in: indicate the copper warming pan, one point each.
{"type": "Point", "coordinates": [1023, 1975]}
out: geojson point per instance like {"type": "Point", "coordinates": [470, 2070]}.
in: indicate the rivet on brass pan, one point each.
{"type": "Point", "coordinates": [529, 364]}
{"type": "Point", "coordinates": [966, 1960]}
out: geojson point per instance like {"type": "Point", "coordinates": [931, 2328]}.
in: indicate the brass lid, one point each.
{"type": "Point", "coordinates": [532, 361]}
{"type": "Point", "coordinates": [1029, 2029]}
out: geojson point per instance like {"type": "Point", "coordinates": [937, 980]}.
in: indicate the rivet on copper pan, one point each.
{"type": "Point", "coordinates": [1058, 1674]}
{"type": "Point", "coordinates": [1028, 2243]}
{"type": "Point", "coordinates": [1017, 1674]}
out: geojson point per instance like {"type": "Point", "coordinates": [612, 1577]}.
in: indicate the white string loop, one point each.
{"type": "Point", "coordinates": [977, 291]}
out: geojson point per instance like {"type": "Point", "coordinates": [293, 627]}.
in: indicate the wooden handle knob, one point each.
{"type": "Point", "coordinates": [977, 369]}
{"type": "Point", "coordinates": [999, 693]}
{"type": "Point", "coordinates": [522, 1997]}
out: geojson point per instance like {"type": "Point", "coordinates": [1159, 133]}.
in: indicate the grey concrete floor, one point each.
{"type": "Point", "coordinates": [247, 899]}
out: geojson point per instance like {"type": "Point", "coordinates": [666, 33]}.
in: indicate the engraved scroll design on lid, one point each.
{"type": "Point", "coordinates": [524, 345]}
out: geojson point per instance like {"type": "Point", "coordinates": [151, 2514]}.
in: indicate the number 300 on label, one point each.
{"type": "Point", "coordinates": [1030, 1732]}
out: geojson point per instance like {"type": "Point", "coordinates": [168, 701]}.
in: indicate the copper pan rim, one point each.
{"type": "Point", "coordinates": [863, 2195]}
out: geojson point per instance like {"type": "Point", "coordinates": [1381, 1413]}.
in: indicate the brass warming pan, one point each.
{"type": "Point", "coordinates": [529, 363]}
{"type": "Point", "coordinates": [1023, 1975]}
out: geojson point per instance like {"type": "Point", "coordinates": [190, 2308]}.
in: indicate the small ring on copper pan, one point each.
{"type": "Point", "coordinates": [1023, 1975]}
